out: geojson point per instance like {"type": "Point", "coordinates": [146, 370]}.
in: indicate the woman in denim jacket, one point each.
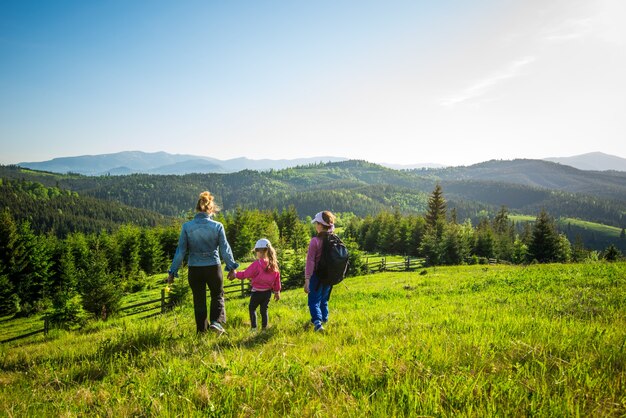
{"type": "Point", "coordinates": [201, 238]}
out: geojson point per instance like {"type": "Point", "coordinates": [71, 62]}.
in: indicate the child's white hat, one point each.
{"type": "Point", "coordinates": [262, 243]}
{"type": "Point", "coordinates": [320, 219]}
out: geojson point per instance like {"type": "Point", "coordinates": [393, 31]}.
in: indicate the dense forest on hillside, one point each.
{"type": "Point", "coordinates": [58, 211]}
{"type": "Point", "coordinates": [541, 174]}
{"type": "Point", "coordinates": [353, 186]}
{"type": "Point", "coordinates": [41, 271]}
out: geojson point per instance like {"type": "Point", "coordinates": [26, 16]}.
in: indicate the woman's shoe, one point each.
{"type": "Point", "coordinates": [217, 327]}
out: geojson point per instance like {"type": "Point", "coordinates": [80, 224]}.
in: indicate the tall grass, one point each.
{"type": "Point", "coordinates": [469, 341]}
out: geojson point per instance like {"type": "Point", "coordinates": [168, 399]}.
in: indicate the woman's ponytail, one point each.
{"type": "Point", "coordinates": [206, 203]}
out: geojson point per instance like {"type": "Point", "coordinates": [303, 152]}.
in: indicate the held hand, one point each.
{"type": "Point", "coordinates": [170, 279]}
{"type": "Point", "coordinates": [277, 296]}
{"type": "Point", "coordinates": [231, 275]}
{"type": "Point", "coordinates": [306, 286]}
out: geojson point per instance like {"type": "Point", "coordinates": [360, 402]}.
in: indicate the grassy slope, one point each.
{"type": "Point", "coordinates": [600, 229]}
{"type": "Point", "coordinates": [11, 327]}
{"type": "Point", "coordinates": [502, 340]}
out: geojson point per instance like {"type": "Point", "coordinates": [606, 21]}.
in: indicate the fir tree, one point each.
{"type": "Point", "coordinates": [8, 240]}
{"type": "Point", "coordinates": [611, 253]}
{"type": "Point", "coordinates": [151, 254]}
{"type": "Point", "coordinates": [8, 299]}
{"type": "Point", "coordinates": [128, 245]}
{"type": "Point", "coordinates": [501, 223]}
{"type": "Point", "coordinates": [436, 212]}
{"type": "Point", "coordinates": [31, 271]}
{"type": "Point", "coordinates": [579, 253]}
{"type": "Point", "coordinates": [453, 216]}
{"type": "Point", "coordinates": [544, 244]}
{"type": "Point", "coordinates": [453, 249]}
{"type": "Point", "coordinates": [485, 240]}
{"type": "Point", "coordinates": [67, 310]}
{"type": "Point", "coordinates": [101, 296]}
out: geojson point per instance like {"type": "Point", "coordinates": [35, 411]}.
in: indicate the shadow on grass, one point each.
{"type": "Point", "coordinates": [132, 343]}
{"type": "Point", "coordinates": [259, 338]}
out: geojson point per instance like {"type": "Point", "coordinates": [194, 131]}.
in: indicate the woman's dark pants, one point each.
{"type": "Point", "coordinates": [199, 279]}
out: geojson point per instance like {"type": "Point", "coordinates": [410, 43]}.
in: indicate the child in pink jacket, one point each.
{"type": "Point", "coordinates": [265, 280]}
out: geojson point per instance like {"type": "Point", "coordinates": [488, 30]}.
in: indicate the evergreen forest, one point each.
{"type": "Point", "coordinates": [76, 244]}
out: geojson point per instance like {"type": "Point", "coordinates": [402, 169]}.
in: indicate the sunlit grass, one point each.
{"type": "Point", "coordinates": [474, 341]}
{"type": "Point", "coordinates": [605, 230]}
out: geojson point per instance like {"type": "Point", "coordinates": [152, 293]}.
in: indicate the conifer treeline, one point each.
{"type": "Point", "coordinates": [50, 209]}
{"type": "Point", "coordinates": [38, 271]}
{"type": "Point", "coordinates": [440, 238]}
{"type": "Point", "coordinates": [94, 270]}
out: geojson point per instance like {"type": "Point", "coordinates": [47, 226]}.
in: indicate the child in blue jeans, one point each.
{"type": "Point", "coordinates": [318, 293]}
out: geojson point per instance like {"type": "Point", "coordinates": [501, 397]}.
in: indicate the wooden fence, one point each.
{"type": "Point", "coordinates": [407, 264]}
{"type": "Point", "coordinates": [152, 307]}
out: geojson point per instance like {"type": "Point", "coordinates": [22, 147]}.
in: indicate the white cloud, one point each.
{"type": "Point", "coordinates": [611, 27]}
{"type": "Point", "coordinates": [569, 30]}
{"type": "Point", "coordinates": [604, 21]}
{"type": "Point", "coordinates": [481, 87]}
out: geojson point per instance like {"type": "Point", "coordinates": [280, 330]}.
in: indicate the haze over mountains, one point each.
{"type": "Point", "coordinates": [598, 161]}
{"type": "Point", "coordinates": [130, 162]}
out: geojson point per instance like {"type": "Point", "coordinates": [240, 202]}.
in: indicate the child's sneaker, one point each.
{"type": "Point", "coordinates": [319, 328]}
{"type": "Point", "coordinates": [217, 327]}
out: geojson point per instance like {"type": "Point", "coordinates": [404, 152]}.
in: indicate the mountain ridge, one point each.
{"type": "Point", "coordinates": [135, 162]}
{"type": "Point", "coordinates": [140, 162]}
{"type": "Point", "coordinates": [593, 161]}
{"type": "Point", "coordinates": [365, 188]}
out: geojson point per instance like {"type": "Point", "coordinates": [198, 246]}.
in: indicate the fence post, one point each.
{"type": "Point", "coordinates": [243, 292]}
{"type": "Point", "coordinates": [162, 301]}
{"type": "Point", "coordinates": [46, 326]}
{"type": "Point", "coordinates": [408, 263]}
{"type": "Point", "coordinates": [382, 264]}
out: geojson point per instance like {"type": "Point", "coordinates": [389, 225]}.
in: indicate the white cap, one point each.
{"type": "Point", "coordinates": [319, 219]}
{"type": "Point", "coordinates": [262, 243]}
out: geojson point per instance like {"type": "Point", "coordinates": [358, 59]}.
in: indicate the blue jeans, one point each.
{"type": "Point", "coordinates": [318, 300]}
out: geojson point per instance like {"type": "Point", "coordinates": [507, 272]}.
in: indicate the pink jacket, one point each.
{"type": "Point", "coordinates": [313, 256]}
{"type": "Point", "coordinates": [260, 278]}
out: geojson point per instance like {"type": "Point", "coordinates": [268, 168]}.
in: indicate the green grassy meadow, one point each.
{"type": "Point", "coordinates": [543, 340]}
{"type": "Point", "coordinates": [600, 229]}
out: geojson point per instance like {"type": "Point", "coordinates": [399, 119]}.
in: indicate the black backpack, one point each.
{"type": "Point", "coordinates": [333, 263]}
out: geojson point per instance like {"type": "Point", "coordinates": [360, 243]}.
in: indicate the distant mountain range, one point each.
{"type": "Point", "coordinates": [541, 174]}
{"type": "Point", "coordinates": [131, 162]}
{"type": "Point", "coordinates": [597, 161]}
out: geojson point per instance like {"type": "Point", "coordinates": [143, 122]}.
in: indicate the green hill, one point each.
{"type": "Point", "coordinates": [360, 187]}
{"type": "Point", "coordinates": [594, 235]}
{"type": "Point", "coordinates": [482, 341]}
{"type": "Point", "coordinates": [59, 211]}
{"type": "Point", "coordinates": [542, 174]}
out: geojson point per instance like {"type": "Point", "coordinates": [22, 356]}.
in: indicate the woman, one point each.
{"type": "Point", "coordinates": [200, 238]}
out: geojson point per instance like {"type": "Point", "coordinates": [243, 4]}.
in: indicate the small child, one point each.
{"type": "Point", "coordinates": [265, 279]}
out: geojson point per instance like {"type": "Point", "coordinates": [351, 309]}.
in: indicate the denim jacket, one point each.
{"type": "Point", "coordinates": [200, 238]}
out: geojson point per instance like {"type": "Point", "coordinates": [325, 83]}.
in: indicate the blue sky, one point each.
{"type": "Point", "coordinates": [451, 82]}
